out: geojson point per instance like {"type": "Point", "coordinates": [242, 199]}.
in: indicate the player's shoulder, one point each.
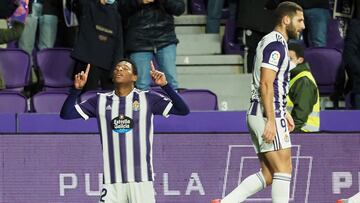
{"type": "Point", "coordinates": [105, 94]}
{"type": "Point", "coordinates": [273, 38]}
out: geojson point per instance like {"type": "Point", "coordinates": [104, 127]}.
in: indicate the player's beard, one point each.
{"type": "Point", "coordinates": [291, 32]}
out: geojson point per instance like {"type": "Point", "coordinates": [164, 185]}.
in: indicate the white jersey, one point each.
{"type": "Point", "coordinates": [272, 53]}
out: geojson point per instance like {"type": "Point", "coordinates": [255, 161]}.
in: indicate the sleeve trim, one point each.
{"type": "Point", "coordinates": [269, 66]}
{"type": "Point", "coordinates": [167, 110]}
{"type": "Point", "coordinates": [81, 112]}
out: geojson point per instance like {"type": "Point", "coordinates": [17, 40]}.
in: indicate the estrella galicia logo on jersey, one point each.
{"type": "Point", "coordinates": [122, 124]}
{"type": "Point", "coordinates": [274, 58]}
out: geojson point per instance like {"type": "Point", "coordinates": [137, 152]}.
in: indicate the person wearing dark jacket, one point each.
{"type": "Point", "coordinates": [16, 21]}
{"type": "Point", "coordinates": [303, 101]}
{"type": "Point", "coordinates": [256, 21]}
{"type": "Point", "coordinates": [99, 41]}
{"type": "Point", "coordinates": [351, 56]}
{"type": "Point", "coordinates": [150, 33]}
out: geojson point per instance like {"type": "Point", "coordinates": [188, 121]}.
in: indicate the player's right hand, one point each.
{"type": "Point", "coordinates": [81, 78]}
{"type": "Point", "coordinates": [269, 131]}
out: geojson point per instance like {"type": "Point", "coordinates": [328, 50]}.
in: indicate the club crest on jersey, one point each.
{"type": "Point", "coordinates": [274, 58]}
{"type": "Point", "coordinates": [122, 124]}
{"type": "Point", "coordinates": [286, 137]}
{"type": "Point", "coordinates": [136, 105]}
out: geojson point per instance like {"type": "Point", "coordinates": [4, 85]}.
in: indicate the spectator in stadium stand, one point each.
{"type": "Point", "coordinates": [214, 14]}
{"type": "Point", "coordinates": [317, 16]}
{"type": "Point", "coordinates": [16, 19]}
{"type": "Point", "coordinates": [256, 21]}
{"type": "Point", "coordinates": [43, 20]}
{"type": "Point", "coordinates": [303, 101]}
{"type": "Point", "coordinates": [99, 40]}
{"type": "Point", "coordinates": [351, 57]}
{"type": "Point", "coordinates": [150, 33]}
{"type": "Point", "coordinates": [125, 118]}
{"type": "Point", "coordinates": [18, 12]}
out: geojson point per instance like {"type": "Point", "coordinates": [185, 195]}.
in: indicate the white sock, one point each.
{"type": "Point", "coordinates": [247, 187]}
{"type": "Point", "coordinates": [355, 198]}
{"type": "Point", "coordinates": [281, 188]}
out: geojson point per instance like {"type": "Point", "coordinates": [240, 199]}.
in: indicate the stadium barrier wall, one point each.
{"type": "Point", "coordinates": [190, 168]}
{"type": "Point", "coordinates": [195, 122]}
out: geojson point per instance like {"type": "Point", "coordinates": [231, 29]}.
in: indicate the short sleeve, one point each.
{"type": "Point", "coordinates": [88, 108]}
{"type": "Point", "coordinates": [273, 55]}
{"type": "Point", "coordinates": [160, 105]}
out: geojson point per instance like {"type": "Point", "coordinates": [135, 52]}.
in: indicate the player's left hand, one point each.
{"type": "Point", "coordinates": [290, 122]}
{"type": "Point", "coordinates": [158, 77]}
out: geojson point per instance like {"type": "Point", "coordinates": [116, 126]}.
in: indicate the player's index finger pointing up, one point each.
{"type": "Point", "coordinates": [87, 69]}
{"type": "Point", "coordinates": [152, 67]}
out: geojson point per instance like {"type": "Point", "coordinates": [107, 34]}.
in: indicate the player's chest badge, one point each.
{"type": "Point", "coordinates": [136, 105]}
{"type": "Point", "coordinates": [286, 137]}
{"type": "Point", "coordinates": [122, 124]}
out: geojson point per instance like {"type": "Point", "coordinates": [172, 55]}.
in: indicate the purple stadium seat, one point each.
{"type": "Point", "coordinates": [229, 44]}
{"type": "Point", "coordinates": [15, 66]}
{"type": "Point", "coordinates": [334, 39]}
{"type": "Point", "coordinates": [12, 102]}
{"type": "Point", "coordinates": [56, 67]}
{"type": "Point", "coordinates": [200, 99]}
{"type": "Point", "coordinates": [324, 63]}
{"type": "Point", "coordinates": [48, 101]}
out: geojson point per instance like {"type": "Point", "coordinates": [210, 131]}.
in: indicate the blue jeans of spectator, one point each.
{"type": "Point", "coordinates": [214, 12]}
{"type": "Point", "coordinates": [166, 60]}
{"type": "Point", "coordinates": [316, 21]}
{"type": "Point", "coordinates": [47, 30]}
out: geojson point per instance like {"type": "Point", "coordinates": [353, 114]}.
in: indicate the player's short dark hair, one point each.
{"type": "Point", "coordinates": [286, 8]}
{"type": "Point", "coordinates": [297, 48]}
{"type": "Point", "coordinates": [134, 68]}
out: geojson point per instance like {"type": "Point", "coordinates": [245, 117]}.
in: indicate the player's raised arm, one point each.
{"type": "Point", "coordinates": [179, 105]}
{"type": "Point", "coordinates": [68, 110]}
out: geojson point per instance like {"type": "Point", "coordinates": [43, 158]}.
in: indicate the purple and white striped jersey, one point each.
{"type": "Point", "coordinates": [126, 129]}
{"type": "Point", "coordinates": [272, 53]}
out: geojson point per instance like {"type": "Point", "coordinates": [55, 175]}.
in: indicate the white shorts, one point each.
{"type": "Point", "coordinates": [128, 193]}
{"type": "Point", "coordinates": [256, 125]}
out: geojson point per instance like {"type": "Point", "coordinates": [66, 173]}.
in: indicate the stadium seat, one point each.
{"type": "Point", "coordinates": [334, 39]}
{"type": "Point", "coordinates": [48, 101]}
{"type": "Point", "coordinates": [15, 66]}
{"type": "Point", "coordinates": [200, 99]}
{"type": "Point", "coordinates": [56, 67]}
{"type": "Point", "coordinates": [324, 64]}
{"type": "Point", "coordinates": [229, 44]}
{"type": "Point", "coordinates": [12, 102]}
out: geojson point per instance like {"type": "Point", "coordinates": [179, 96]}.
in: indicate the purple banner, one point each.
{"type": "Point", "coordinates": [190, 168]}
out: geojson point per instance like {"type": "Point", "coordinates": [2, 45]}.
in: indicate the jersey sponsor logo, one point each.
{"type": "Point", "coordinates": [122, 124]}
{"type": "Point", "coordinates": [274, 58]}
